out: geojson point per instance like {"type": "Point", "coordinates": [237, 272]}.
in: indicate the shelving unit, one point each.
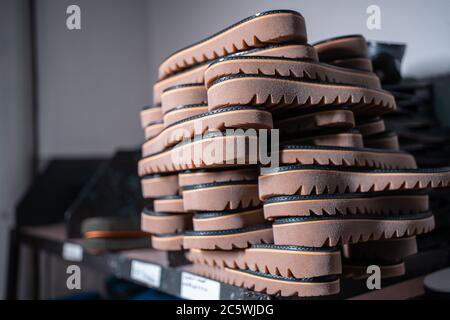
{"type": "Point", "coordinates": [171, 265]}
{"type": "Point", "coordinates": [169, 272]}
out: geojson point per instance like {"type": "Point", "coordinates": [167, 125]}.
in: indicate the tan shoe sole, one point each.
{"type": "Point", "coordinates": [169, 204]}
{"type": "Point", "coordinates": [150, 114]}
{"type": "Point", "coordinates": [347, 157]}
{"type": "Point", "coordinates": [162, 222]}
{"type": "Point", "coordinates": [290, 68]}
{"type": "Point", "coordinates": [195, 74]}
{"type": "Point", "coordinates": [344, 204]}
{"type": "Point", "coordinates": [153, 130]}
{"type": "Point", "coordinates": [219, 196]}
{"type": "Point", "coordinates": [183, 94]}
{"type": "Point", "coordinates": [226, 220]}
{"type": "Point", "coordinates": [305, 180]}
{"type": "Point", "coordinates": [268, 27]}
{"type": "Point", "coordinates": [371, 127]}
{"type": "Point", "coordinates": [168, 242]}
{"type": "Point", "coordinates": [157, 185]}
{"type": "Point", "coordinates": [183, 112]}
{"type": "Point", "coordinates": [237, 117]}
{"type": "Point", "coordinates": [278, 93]}
{"type": "Point", "coordinates": [332, 231]}
{"type": "Point", "coordinates": [286, 261]}
{"type": "Point", "coordinates": [271, 284]}
{"type": "Point", "coordinates": [293, 124]}
{"type": "Point", "coordinates": [193, 177]}
{"type": "Point", "coordinates": [228, 239]}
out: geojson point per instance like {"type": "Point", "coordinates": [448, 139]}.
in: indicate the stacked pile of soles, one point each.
{"type": "Point", "coordinates": [371, 129]}
{"type": "Point", "coordinates": [164, 217]}
{"type": "Point", "coordinates": [351, 52]}
{"type": "Point", "coordinates": [181, 101]}
{"type": "Point", "coordinates": [224, 197]}
{"type": "Point", "coordinates": [388, 253]}
{"type": "Point", "coordinates": [420, 132]}
{"type": "Point", "coordinates": [330, 194]}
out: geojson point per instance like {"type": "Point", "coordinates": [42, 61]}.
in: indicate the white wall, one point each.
{"type": "Point", "coordinates": [93, 81]}
{"type": "Point", "coordinates": [423, 25]}
{"type": "Point", "coordinates": [15, 117]}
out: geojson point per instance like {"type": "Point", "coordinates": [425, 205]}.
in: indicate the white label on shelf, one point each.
{"type": "Point", "coordinates": [147, 273]}
{"type": "Point", "coordinates": [198, 288]}
{"type": "Point", "coordinates": [72, 252]}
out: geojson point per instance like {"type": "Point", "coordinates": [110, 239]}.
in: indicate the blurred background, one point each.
{"type": "Point", "coordinates": [77, 93]}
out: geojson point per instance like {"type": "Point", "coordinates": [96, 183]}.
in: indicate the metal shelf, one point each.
{"type": "Point", "coordinates": [165, 270]}
{"type": "Point", "coordinates": [52, 239]}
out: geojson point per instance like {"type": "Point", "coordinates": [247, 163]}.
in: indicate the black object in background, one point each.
{"type": "Point", "coordinates": [54, 190]}
{"type": "Point", "coordinates": [387, 60]}
{"type": "Point", "coordinates": [114, 190]}
{"type": "Point", "coordinates": [419, 129]}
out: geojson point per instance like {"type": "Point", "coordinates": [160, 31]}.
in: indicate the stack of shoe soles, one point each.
{"type": "Point", "coordinates": [164, 217]}
{"type": "Point", "coordinates": [220, 192]}
{"type": "Point", "coordinates": [418, 128]}
{"type": "Point", "coordinates": [341, 185]}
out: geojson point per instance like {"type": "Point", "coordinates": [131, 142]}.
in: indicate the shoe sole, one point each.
{"type": "Point", "coordinates": [278, 93]}
{"type": "Point", "coordinates": [384, 140]}
{"type": "Point", "coordinates": [102, 245]}
{"type": "Point", "coordinates": [388, 255]}
{"type": "Point", "coordinates": [363, 64]}
{"type": "Point", "coordinates": [153, 130]}
{"type": "Point", "coordinates": [228, 239]}
{"type": "Point", "coordinates": [345, 139]}
{"type": "Point", "coordinates": [230, 151]}
{"type": "Point", "coordinates": [370, 128]}
{"type": "Point", "coordinates": [220, 196]}
{"type": "Point", "coordinates": [306, 180]}
{"type": "Point", "coordinates": [388, 249]}
{"type": "Point", "coordinates": [110, 224]}
{"type": "Point", "coordinates": [347, 157]}
{"type": "Point", "coordinates": [151, 114]}
{"type": "Point", "coordinates": [345, 47]}
{"type": "Point", "coordinates": [183, 112]}
{"type": "Point", "coordinates": [161, 222]}
{"type": "Point", "coordinates": [195, 74]}
{"type": "Point", "coordinates": [359, 272]}
{"type": "Point", "coordinates": [330, 119]}
{"type": "Point", "coordinates": [344, 204]}
{"type": "Point", "coordinates": [333, 231]}
{"type": "Point", "coordinates": [232, 118]}
{"type": "Point", "coordinates": [183, 94]}
{"type": "Point", "coordinates": [227, 220]}
{"type": "Point", "coordinates": [189, 178]}
{"type": "Point", "coordinates": [168, 242]}
{"type": "Point", "coordinates": [286, 261]}
{"type": "Point", "coordinates": [271, 284]}
{"type": "Point", "coordinates": [289, 68]}
{"type": "Point", "coordinates": [264, 28]}
{"type": "Point", "coordinates": [184, 157]}
{"type": "Point", "coordinates": [155, 186]}
{"type": "Point", "coordinates": [172, 204]}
